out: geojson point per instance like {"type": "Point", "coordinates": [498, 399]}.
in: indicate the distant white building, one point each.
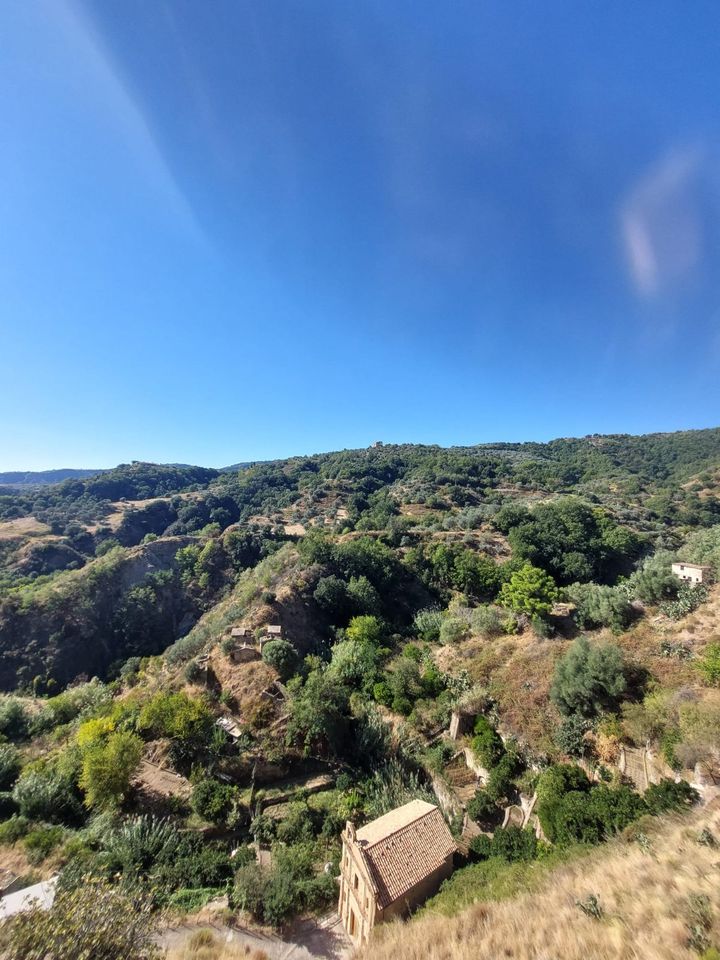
{"type": "Point", "coordinates": [691, 572]}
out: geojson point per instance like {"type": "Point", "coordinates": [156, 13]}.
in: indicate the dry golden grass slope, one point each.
{"type": "Point", "coordinates": [205, 945]}
{"type": "Point", "coordinates": [655, 896]}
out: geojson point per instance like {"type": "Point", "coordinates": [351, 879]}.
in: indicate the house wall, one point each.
{"type": "Point", "coordinates": [688, 572]}
{"type": "Point", "coordinates": [244, 654]}
{"type": "Point", "coordinates": [356, 898]}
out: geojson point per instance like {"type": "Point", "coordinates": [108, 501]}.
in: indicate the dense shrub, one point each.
{"type": "Point", "coordinates": [14, 719]}
{"type": "Point", "coordinates": [282, 656]}
{"type": "Point", "coordinates": [186, 721]}
{"type": "Point", "coordinates": [500, 785]}
{"type": "Point", "coordinates": [94, 920]}
{"type": "Point", "coordinates": [570, 735]}
{"type": "Point", "coordinates": [109, 759]}
{"type": "Point", "coordinates": [600, 606]}
{"type": "Point", "coordinates": [14, 829]}
{"type": "Point", "coordinates": [688, 598]}
{"type": "Point", "coordinates": [9, 765]}
{"type": "Point", "coordinates": [487, 744]}
{"type": "Point", "coordinates": [299, 824]}
{"type": "Point", "coordinates": [48, 794]}
{"type": "Point", "coordinates": [654, 580]}
{"type": "Point", "coordinates": [488, 621]}
{"type": "Point", "coordinates": [290, 886]}
{"type": "Point", "coordinates": [213, 800]}
{"type": "Point", "coordinates": [709, 665]}
{"type": "Point", "coordinates": [669, 795]}
{"type": "Point", "coordinates": [512, 844]}
{"type": "Point", "coordinates": [40, 843]}
{"type": "Point", "coordinates": [588, 679]}
{"type": "Point", "coordinates": [427, 624]}
{"type": "Point", "coordinates": [571, 809]}
{"type": "Point", "coordinates": [84, 699]}
{"type": "Point", "coordinates": [482, 808]}
{"type": "Point", "coordinates": [8, 807]}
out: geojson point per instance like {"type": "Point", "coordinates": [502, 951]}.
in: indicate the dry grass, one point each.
{"type": "Point", "coordinates": [205, 945]}
{"type": "Point", "coordinates": [22, 527]}
{"type": "Point", "coordinates": [655, 891]}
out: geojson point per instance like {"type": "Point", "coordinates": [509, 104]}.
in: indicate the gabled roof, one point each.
{"type": "Point", "coordinates": [404, 847]}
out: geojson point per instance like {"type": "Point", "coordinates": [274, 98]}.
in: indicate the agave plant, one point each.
{"type": "Point", "coordinates": [140, 843]}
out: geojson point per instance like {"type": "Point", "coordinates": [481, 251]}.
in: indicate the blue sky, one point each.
{"type": "Point", "coordinates": [249, 228]}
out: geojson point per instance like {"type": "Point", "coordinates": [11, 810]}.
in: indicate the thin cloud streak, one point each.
{"type": "Point", "coordinates": [106, 85]}
{"type": "Point", "coordinates": [661, 227]}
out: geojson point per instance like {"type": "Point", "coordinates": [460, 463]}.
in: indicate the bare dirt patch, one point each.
{"type": "Point", "coordinates": [161, 782]}
{"type": "Point", "coordinates": [295, 529]}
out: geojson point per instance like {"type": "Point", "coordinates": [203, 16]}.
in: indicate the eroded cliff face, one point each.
{"type": "Point", "coordinates": [126, 604]}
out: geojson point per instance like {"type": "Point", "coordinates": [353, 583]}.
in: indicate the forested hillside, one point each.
{"type": "Point", "coordinates": [527, 587]}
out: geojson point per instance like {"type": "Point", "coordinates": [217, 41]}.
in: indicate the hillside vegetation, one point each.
{"type": "Point", "coordinates": [651, 895]}
{"type": "Point", "coordinates": [526, 587]}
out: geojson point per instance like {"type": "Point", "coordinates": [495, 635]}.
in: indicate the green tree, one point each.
{"type": "Point", "coordinates": [212, 800]}
{"type": "Point", "coordinates": [654, 581]}
{"type": "Point", "coordinates": [319, 712]}
{"type": "Point", "coordinates": [529, 590]}
{"type": "Point", "coordinates": [281, 655]}
{"type": "Point", "coordinates": [598, 606]}
{"type": "Point", "coordinates": [107, 766]}
{"type": "Point", "coordinates": [588, 679]}
{"type": "Point", "coordinates": [331, 595]}
{"type": "Point", "coordinates": [355, 663]}
{"type": "Point", "coordinates": [365, 629]}
{"type": "Point", "coordinates": [363, 596]}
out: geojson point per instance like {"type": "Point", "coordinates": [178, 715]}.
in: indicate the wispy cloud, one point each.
{"type": "Point", "coordinates": [661, 227]}
{"type": "Point", "coordinates": [106, 87]}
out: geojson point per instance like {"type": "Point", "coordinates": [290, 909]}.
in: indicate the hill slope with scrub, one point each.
{"type": "Point", "coordinates": [524, 587]}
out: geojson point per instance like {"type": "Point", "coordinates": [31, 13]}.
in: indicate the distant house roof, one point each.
{"type": "Point", "coordinates": [274, 629]}
{"type": "Point", "coordinates": [240, 632]}
{"type": "Point", "coordinates": [694, 566]}
{"type": "Point", "coordinates": [404, 847]}
{"type": "Point", "coordinates": [40, 894]}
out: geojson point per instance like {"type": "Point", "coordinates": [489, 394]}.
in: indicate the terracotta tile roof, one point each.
{"type": "Point", "coordinates": [404, 847]}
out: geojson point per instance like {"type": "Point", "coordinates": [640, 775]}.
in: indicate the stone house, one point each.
{"type": "Point", "coordinates": [244, 647]}
{"type": "Point", "coordinates": [391, 865]}
{"type": "Point", "coordinates": [691, 572]}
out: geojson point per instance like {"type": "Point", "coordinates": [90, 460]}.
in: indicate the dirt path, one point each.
{"type": "Point", "coordinates": [322, 939]}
